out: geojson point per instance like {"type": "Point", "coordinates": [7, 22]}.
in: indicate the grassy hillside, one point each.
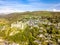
{"type": "Point", "coordinates": [17, 16]}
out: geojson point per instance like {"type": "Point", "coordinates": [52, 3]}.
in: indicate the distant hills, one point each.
{"type": "Point", "coordinates": [16, 16]}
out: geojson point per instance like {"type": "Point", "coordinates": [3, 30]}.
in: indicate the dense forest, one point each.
{"type": "Point", "coordinates": [30, 28]}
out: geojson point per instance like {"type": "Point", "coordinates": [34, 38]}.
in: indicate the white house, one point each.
{"type": "Point", "coordinates": [14, 44]}
{"type": "Point", "coordinates": [20, 25]}
{"type": "Point", "coordinates": [41, 35]}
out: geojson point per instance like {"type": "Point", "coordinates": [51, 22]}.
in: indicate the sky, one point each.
{"type": "Point", "coordinates": [9, 6]}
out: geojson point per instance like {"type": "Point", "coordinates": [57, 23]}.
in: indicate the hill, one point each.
{"type": "Point", "coordinates": [16, 16]}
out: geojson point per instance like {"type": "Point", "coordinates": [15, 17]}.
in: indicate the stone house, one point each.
{"type": "Point", "coordinates": [19, 25]}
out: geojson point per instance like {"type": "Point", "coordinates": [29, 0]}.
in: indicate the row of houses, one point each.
{"type": "Point", "coordinates": [30, 22]}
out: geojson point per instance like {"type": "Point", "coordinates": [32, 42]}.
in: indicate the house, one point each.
{"type": "Point", "coordinates": [58, 40]}
{"type": "Point", "coordinates": [37, 41]}
{"type": "Point", "coordinates": [4, 42]}
{"type": "Point", "coordinates": [58, 24]}
{"type": "Point", "coordinates": [13, 44]}
{"type": "Point", "coordinates": [32, 22]}
{"type": "Point", "coordinates": [19, 25]}
{"type": "Point", "coordinates": [41, 35]}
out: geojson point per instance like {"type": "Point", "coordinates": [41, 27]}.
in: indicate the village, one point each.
{"type": "Point", "coordinates": [48, 33]}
